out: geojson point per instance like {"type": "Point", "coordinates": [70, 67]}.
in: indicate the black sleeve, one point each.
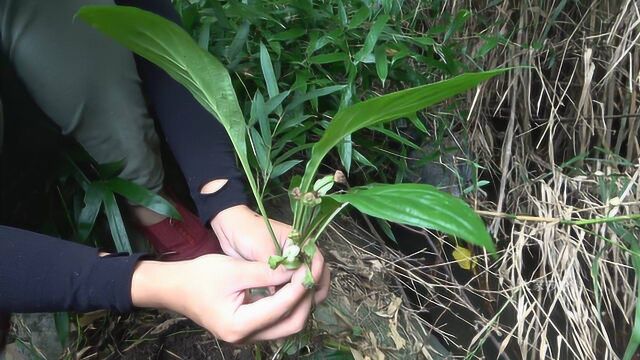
{"type": "Point", "coordinates": [39, 273]}
{"type": "Point", "coordinates": [197, 140]}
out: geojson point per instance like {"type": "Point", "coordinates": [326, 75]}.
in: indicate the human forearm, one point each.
{"type": "Point", "coordinates": [39, 273]}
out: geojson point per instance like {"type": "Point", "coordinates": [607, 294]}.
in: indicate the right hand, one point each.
{"type": "Point", "coordinates": [212, 290]}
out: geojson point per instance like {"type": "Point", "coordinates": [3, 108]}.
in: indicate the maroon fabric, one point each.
{"type": "Point", "coordinates": [176, 240]}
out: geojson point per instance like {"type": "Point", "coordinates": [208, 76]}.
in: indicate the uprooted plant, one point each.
{"type": "Point", "coordinates": [313, 205]}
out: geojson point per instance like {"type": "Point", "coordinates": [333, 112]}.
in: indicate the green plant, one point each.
{"type": "Point", "coordinates": [320, 56]}
{"type": "Point", "coordinates": [171, 48]}
{"type": "Point", "coordinates": [100, 184]}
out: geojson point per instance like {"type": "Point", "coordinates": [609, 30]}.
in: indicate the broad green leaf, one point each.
{"type": "Point", "coordinates": [372, 38]}
{"type": "Point", "coordinates": [267, 71]}
{"type": "Point", "coordinates": [386, 108]}
{"type": "Point", "coordinates": [89, 213]}
{"type": "Point", "coordinates": [142, 196]}
{"type": "Point", "coordinates": [420, 205]}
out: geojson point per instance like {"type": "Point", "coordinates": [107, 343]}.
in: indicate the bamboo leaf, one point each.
{"type": "Point", "coordinates": [116, 224]}
{"type": "Point", "coordinates": [382, 64]}
{"type": "Point", "coordinates": [267, 72]}
{"type": "Point", "coordinates": [89, 213]}
{"type": "Point", "coordinates": [283, 168]}
{"type": "Point", "coordinates": [142, 196]}
{"type": "Point", "coordinates": [372, 38]}
{"type": "Point", "coordinates": [420, 205]}
{"type": "Point", "coordinates": [386, 108]}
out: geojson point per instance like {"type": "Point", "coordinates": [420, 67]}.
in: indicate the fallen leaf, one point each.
{"type": "Point", "coordinates": [463, 258]}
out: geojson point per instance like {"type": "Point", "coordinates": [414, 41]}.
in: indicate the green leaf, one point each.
{"type": "Point", "coordinates": [342, 13]}
{"type": "Point", "coordinates": [142, 196]}
{"type": "Point", "coordinates": [283, 168]}
{"type": "Point", "coordinates": [345, 150]}
{"type": "Point", "coordinates": [323, 185]}
{"type": "Point", "coordinates": [382, 64]}
{"type": "Point", "coordinates": [116, 225]}
{"type": "Point", "coordinates": [267, 71]}
{"type": "Point", "coordinates": [386, 228]}
{"type": "Point", "coordinates": [61, 320]}
{"type": "Point", "coordinates": [204, 36]}
{"type": "Point", "coordinates": [165, 44]}
{"type": "Point", "coordinates": [110, 170]}
{"type": "Point", "coordinates": [417, 122]}
{"type": "Point", "coordinates": [372, 38]}
{"type": "Point", "coordinates": [362, 160]}
{"type": "Point", "coordinates": [288, 34]}
{"type": "Point", "coordinates": [258, 111]}
{"type": "Point", "coordinates": [89, 213]}
{"type": "Point", "coordinates": [261, 151]}
{"type": "Point", "coordinates": [359, 17]}
{"type": "Point", "coordinates": [271, 104]}
{"type": "Point", "coordinates": [239, 40]}
{"type": "Point", "coordinates": [316, 93]}
{"type": "Point", "coordinates": [420, 205]}
{"type": "Point", "coordinates": [386, 108]}
{"type": "Point", "coordinates": [461, 17]}
{"type": "Point", "coordinates": [328, 58]}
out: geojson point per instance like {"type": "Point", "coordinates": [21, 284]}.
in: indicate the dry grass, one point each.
{"type": "Point", "coordinates": [558, 137]}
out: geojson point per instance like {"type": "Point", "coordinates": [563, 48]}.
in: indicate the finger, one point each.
{"type": "Point", "coordinates": [291, 324]}
{"type": "Point", "coordinates": [322, 290]}
{"type": "Point", "coordinates": [227, 248]}
{"type": "Point", "coordinates": [254, 274]}
{"type": "Point", "coordinates": [270, 309]}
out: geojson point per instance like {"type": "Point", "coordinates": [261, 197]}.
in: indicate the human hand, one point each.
{"type": "Point", "coordinates": [244, 235]}
{"type": "Point", "coordinates": [212, 290]}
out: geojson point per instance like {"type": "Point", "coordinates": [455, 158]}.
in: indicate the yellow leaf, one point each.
{"type": "Point", "coordinates": [463, 258]}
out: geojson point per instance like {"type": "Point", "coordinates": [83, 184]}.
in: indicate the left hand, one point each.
{"type": "Point", "coordinates": [244, 235]}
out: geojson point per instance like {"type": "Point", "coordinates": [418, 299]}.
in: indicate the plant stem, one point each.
{"type": "Point", "coordinates": [263, 212]}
